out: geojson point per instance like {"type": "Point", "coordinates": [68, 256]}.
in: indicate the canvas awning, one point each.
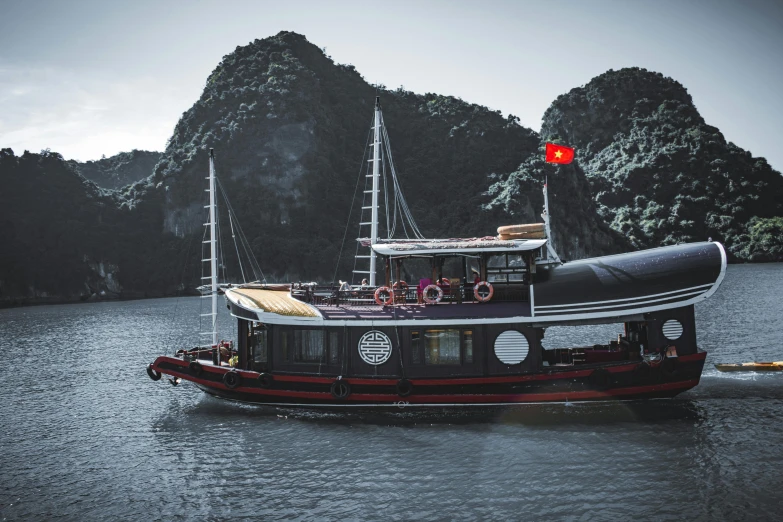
{"type": "Point", "coordinates": [277, 302]}
{"type": "Point", "coordinates": [455, 246]}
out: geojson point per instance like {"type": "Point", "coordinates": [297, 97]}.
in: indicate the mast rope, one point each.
{"type": "Point", "coordinates": [246, 247]}
{"type": "Point", "coordinates": [399, 199]}
{"type": "Point", "coordinates": [234, 237]}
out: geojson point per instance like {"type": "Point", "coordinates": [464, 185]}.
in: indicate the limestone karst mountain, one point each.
{"type": "Point", "coordinates": [290, 126]}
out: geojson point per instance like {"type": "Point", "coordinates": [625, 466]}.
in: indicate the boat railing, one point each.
{"type": "Point", "coordinates": [328, 295]}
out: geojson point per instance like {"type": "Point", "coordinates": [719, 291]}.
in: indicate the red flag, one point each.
{"type": "Point", "coordinates": [559, 154]}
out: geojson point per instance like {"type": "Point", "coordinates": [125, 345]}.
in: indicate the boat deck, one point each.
{"type": "Point", "coordinates": [421, 311]}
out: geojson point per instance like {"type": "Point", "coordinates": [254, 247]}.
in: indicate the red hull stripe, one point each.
{"type": "Point", "coordinates": [450, 399]}
{"type": "Point", "coordinates": [421, 382]}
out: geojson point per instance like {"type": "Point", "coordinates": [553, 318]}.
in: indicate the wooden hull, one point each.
{"type": "Point", "coordinates": [618, 381]}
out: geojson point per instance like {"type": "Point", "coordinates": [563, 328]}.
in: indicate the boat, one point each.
{"type": "Point", "coordinates": [750, 367]}
{"type": "Point", "coordinates": [468, 331]}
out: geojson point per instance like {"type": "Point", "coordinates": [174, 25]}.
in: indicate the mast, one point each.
{"type": "Point", "coordinates": [213, 245]}
{"type": "Point", "coordinates": [376, 166]}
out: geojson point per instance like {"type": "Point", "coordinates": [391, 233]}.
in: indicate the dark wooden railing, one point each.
{"type": "Point", "coordinates": [326, 295]}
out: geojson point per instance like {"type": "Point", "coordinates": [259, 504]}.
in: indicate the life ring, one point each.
{"type": "Point", "coordinates": [428, 298]}
{"type": "Point", "coordinates": [265, 380]}
{"type": "Point", "coordinates": [232, 379]}
{"type": "Point", "coordinates": [195, 368]}
{"type": "Point", "coordinates": [340, 389]}
{"type": "Point", "coordinates": [404, 387]}
{"type": "Point", "coordinates": [669, 368]}
{"type": "Point", "coordinates": [483, 291]}
{"type": "Point", "coordinates": [400, 285]}
{"type": "Point", "coordinates": [599, 379]}
{"type": "Point", "coordinates": [400, 291]}
{"type": "Point", "coordinates": [385, 290]}
{"type": "Point", "coordinates": [154, 374]}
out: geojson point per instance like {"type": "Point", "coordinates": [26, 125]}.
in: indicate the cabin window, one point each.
{"type": "Point", "coordinates": [258, 347]}
{"type": "Point", "coordinates": [498, 261]}
{"type": "Point", "coordinates": [515, 261]}
{"type": "Point", "coordinates": [308, 346]}
{"type": "Point", "coordinates": [442, 346]}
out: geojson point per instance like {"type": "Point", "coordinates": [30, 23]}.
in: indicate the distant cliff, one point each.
{"type": "Point", "coordinates": [289, 127]}
{"type": "Point", "coordinates": [660, 174]}
{"type": "Point", "coordinates": [66, 239]}
{"type": "Point", "coordinates": [119, 170]}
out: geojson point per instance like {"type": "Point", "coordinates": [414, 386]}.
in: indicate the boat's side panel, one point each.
{"type": "Point", "coordinates": [621, 381]}
{"type": "Point", "coordinates": [620, 284]}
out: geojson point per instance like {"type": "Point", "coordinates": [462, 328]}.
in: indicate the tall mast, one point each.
{"type": "Point", "coordinates": [213, 244]}
{"type": "Point", "coordinates": [376, 167]}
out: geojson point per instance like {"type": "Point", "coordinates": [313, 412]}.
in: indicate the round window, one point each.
{"type": "Point", "coordinates": [672, 329]}
{"type": "Point", "coordinates": [511, 347]}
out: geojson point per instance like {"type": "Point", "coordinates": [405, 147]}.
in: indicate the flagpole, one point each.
{"type": "Point", "coordinates": [549, 248]}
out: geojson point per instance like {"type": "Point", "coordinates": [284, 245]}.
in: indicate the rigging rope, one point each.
{"type": "Point", "coordinates": [350, 212]}
{"type": "Point", "coordinates": [405, 213]}
{"type": "Point", "coordinates": [254, 266]}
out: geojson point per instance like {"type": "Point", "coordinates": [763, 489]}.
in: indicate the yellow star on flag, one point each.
{"type": "Point", "coordinates": [558, 154]}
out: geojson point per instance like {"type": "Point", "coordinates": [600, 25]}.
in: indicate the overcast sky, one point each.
{"type": "Point", "coordinates": [86, 78]}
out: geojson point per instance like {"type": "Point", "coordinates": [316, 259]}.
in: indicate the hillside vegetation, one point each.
{"type": "Point", "coordinates": [290, 128]}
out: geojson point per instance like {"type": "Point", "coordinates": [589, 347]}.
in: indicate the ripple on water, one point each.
{"type": "Point", "coordinates": [84, 434]}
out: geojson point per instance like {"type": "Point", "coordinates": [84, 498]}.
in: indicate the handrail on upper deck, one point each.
{"type": "Point", "coordinates": [331, 295]}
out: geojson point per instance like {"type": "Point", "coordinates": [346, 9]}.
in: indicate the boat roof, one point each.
{"type": "Point", "coordinates": [406, 247]}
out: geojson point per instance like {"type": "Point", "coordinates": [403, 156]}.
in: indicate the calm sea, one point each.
{"type": "Point", "coordinates": [86, 435]}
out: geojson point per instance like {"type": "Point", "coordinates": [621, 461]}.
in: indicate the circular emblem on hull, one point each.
{"type": "Point", "coordinates": [375, 347]}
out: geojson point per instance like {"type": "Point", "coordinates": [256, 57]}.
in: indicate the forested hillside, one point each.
{"type": "Point", "coordinates": [289, 128]}
{"type": "Point", "coordinates": [119, 170]}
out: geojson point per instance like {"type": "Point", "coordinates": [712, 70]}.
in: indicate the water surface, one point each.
{"type": "Point", "coordinates": [85, 434]}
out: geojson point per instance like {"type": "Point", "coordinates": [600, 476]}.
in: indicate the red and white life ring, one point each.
{"type": "Point", "coordinates": [400, 285]}
{"type": "Point", "coordinates": [426, 294]}
{"type": "Point", "coordinates": [483, 291]}
{"type": "Point", "coordinates": [387, 293]}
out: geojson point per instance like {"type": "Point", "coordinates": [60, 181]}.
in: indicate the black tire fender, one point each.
{"type": "Point", "coordinates": [196, 368]}
{"type": "Point", "coordinates": [669, 367]}
{"type": "Point", "coordinates": [600, 379]}
{"type": "Point", "coordinates": [404, 387]}
{"type": "Point", "coordinates": [232, 379]}
{"type": "Point", "coordinates": [341, 389]}
{"type": "Point", "coordinates": [154, 374]}
{"type": "Point", "coordinates": [642, 370]}
{"type": "Point", "coordinates": [265, 380]}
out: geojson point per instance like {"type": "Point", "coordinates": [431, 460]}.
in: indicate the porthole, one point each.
{"type": "Point", "coordinates": [511, 347]}
{"type": "Point", "coordinates": [672, 329]}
